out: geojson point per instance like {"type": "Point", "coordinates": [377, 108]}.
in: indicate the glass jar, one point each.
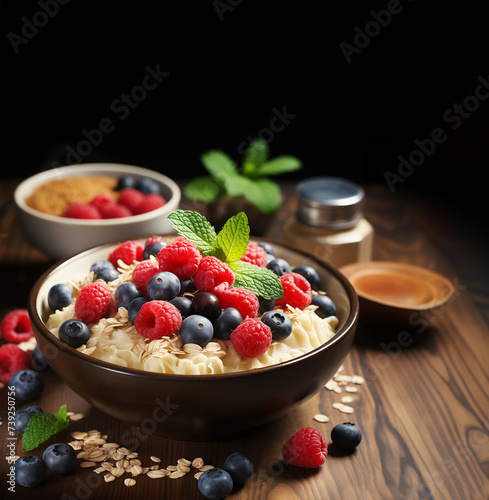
{"type": "Point", "coordinates": [329, 222]}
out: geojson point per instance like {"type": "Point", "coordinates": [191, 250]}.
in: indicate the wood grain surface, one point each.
{"type": "Point", "coordinates": [423, 409]}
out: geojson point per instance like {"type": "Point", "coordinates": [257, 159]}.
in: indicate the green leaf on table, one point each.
{"type": "Point", "coordinates": [195, 228]}
{"type": "Point", "coordinates": [219, 165]}
{"type": "Point", "coordinates": [279, 165]}
{"type": "Point", "coordinates": [264, 193]}
{"type": "Point", "coordinates": [232, 240]}
{"type": "Point", "coordinates": [205, 188]}
{"type": "Point", "coordinates": [260, 280]}
{"type": "Point", "coordinates": [256, 154]}
{"type": "Point", "coordinates": [42, 426]}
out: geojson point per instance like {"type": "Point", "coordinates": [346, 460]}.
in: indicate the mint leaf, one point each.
{"type": "Point", "coordinates": [238, 185]}
{"type": "Point", "coordinates": [42, 426]}
{"type": "Point", "coordinates": [196, 228]}
{"type": "Point", "coordinates": [205, 188]}
{"type": "Point", "coordinates": [279, 165]}
{"type": "Point", "coordinates": [256, 154]}
{"type": "Point", "coordinates": [264, 193]}
{"type": "Point", "coordinates": [260, 280]}
{"type": "Point", "coordinates": [232, 240]}
{"type": "Point", "coordinates": [219, 164]}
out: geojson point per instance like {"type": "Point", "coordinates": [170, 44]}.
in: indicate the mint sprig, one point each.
{"type": "Point", "coordinates": [229, 245]}
{"type": "Point", "coordinates": [42, 426]}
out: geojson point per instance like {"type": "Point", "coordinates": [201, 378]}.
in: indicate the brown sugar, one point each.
{"type": "Point", "coordinates": [54, 197]}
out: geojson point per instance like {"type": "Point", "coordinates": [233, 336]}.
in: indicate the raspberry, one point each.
{"type": "Point", "coordinates": [213, 275]}
{"type": "Point", "coordinates": [152, 240]}
{"type": "Point", "coordinates": [101, 200]}
{"type": "Point", "coordinates": [16, 326]}
{"type": "Point", "coordinates": [181, 258]}
{"type": "Point", "coordinates": [255, 254]}
{"type": "Point", "coordinates": [156, 319]}
{"type": "Point", "coordinates": [150, 202]}
{"type": "Point", "coordinates": [143, 272]}
{"type": "Point", "coordinates": [130, 198]}
{"type": "Point", "coordinates": [128, 252]}
{"type": "Point", "coordinates": [114, 211]}
{"type": "Point", "coordinates": [306, 448]}
{"type": "Point", "coordinates": [12, 359]}
{"type": "Point", "coordinates": [251, 338]}
{"type": "Point", "coordinates": [82, 211]}
{"type": "Point", "coordinates": [297, 291]}
{"type": "Point", "coordinates": [245, 301]}
{"type": "Point", "coordinates": [93, 302]}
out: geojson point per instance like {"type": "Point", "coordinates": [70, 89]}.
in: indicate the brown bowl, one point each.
{"type": "Point", "coordinates": [394, 293]}
{"type": "Point", "coordinates": [195, 407]}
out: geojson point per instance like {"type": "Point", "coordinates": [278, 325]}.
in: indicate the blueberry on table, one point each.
{"type": "Point", "coordinates": [163, 286]}
{"type": "Point", "coordinates": [326, 307]}
{"type": "Point", "coordinates": [39, 362]}
{"type": "Point", "coordinates": [279, 266]}
{"type": "Point", "coordinates": [215, 483]}
{"type": "Point", "coordinates": [59, 458]}
{"type": "Point", "coordinates": [23, 416]}
{"type": "Point", "coordinates": [346, 436]}
{"type": "Point", "coordinates": [125, 293]}
{"type": "Point", "coordinates": [310, 274]}
{"type": "Point", "coordinates": [239, 467]}
{"type": "Point", "coordinates": [27, 383]}
{"type": "Point", "coordinates": [74, 332]}
{"type": "Point", "coordinates": [184, 305]}
{"type": "Point", "coordinates": [59, 296]}
{"type": "Point", "coordinates": [280, 324]}
{"type": "Point", "coordinates": [196, 329]}
{"type": "Point", "coordinates": [134, 308]}
{"type": "Point", "coordinates": [30, 471]}
{"type": "Point", "coordinates": [226, 322]}
{"type": "Point", "coordinates": [207, 304]}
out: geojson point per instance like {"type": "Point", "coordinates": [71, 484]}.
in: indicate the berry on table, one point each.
{"type": "Point", "coordinates": [215, 483]}
{"type": "Point", "coordinates": [125, 293]}
{"type": "Point", "coordinates": [128, 252]}
{"type": "Point", "coordinates": [28, 384]}
{"type": "Point", "coordinates": [59, 296]}
{"type": "Point", "coordinates": [93, 302]}
{"type": "Point", "coordinates": [181, 258]}
{"type": "Point", "coordinates": [12, 359]}
{"type": "Point", "coordinates": [255, 254]}
{"type": "Point", "coordinates": [229, 319]}
{"type": "Point", "coordinates": [59, 458]}
{"type": "Point", "coordinates": [39, 362]}
{"type": "Point", "coordinates": [16, 326]}
{"type": "Point", "coordinates": [142, 274]}
{"type": "Point", "coordinates": [23, 416]}
{"type": "Point", "coordinates": [306, 448]}
{"type": "Point", "coordinates": [30, 471]}
{"type": "Point", "coordinates": [310, 274]}
{"type": "Point", "coordinates": [163, 286]}
{"type": "Point", "coordinates": [251, 338]}
{"type": "Point", "coordinates": [280, 324]}
{"type": "Point", "coordinates": [213, 275]}
{"type": "Point", "coordinates": [346, 436]}
{"type": "Point", "coordinates": [156, 319]}
{"type": "Point", "coordinates": [245, 301]}
{"type": "Point", "coordinates": [279, 266]}
{"type": "Point", "coordinates": [239, 467]}
{"type": "Point", "coordinates": [74, 333]}
{"type": "Point", "coordinates": [196, 329]}
{"type": "Point", "coordinates": [297, 291]}
{"type": "Point", "coordinates": [207, 304]}
{"type": "Point", "coordinates": [326, 307]}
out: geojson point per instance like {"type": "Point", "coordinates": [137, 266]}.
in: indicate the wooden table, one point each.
{"type": "Point", "coordinates": [423, 410]}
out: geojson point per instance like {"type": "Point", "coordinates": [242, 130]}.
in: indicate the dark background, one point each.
{"type": "Point", "coordinates": [230, 65]}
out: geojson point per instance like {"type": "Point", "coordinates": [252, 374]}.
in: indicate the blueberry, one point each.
{"type": "Point", "coordinates": [126, 181]}
{"type": "Point", "coordinates": [74, 332]}
{"type": "Point", "coordinates": [39, 362]}
{"type": "Point", "coordinates": [134, 308]}
{"type": "Point", "coordinates": [184, 305]}
{"type": "Point", "coordinates": [226, 322]}
{"type": "Point", "coordinates": [188, 286]}
{"type": "Point", "coordinates": [267, 247]}
{"type": "Point", "coordinates": [30, 471]}
{"type": "Point", "coordinates": [310, 274]}
{"type": "Point", "coordinates": [100, 264]}
{"type": "Point", "coordinates": [163, 286]}
{"type": "Point", "coordinates": [279, 266]}
{"type": "Point", "coordinates": [23, 416]}
{"type": "Point", "coordinates": [28, 384]}
{"type": "Point", "coordinates": [239, 467]}
{"type": "Point", "coordinates": [146, 186]}
{"type": "Point", "coordinates": [265, 305]}
{"type": "Point", "coordinates": [153, 249]}
{"type": "Point", "coordinates": [60, 458]}
{"type": "Point", "coordinates": [108, 273]}
{"type": "Point", "coordinates": [196, 329]}
{"type": "Point", "coordinates": [207, 304]}
{"type": "Point", "coordinates": [125, 293]}
{"type": "Point", "coordinates": [326, 306]}
{"type": "Point", "coordinates": [59, 296]}
{"type": "Point", "coordinates": [215, 483]}
{"type": "Point", "coordinates": [279, 323]}
{"type": "Point", "coordinates": [346, 436]}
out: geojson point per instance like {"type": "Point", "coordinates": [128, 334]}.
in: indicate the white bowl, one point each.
{"type": "Point", "coordinates": [61, 237]}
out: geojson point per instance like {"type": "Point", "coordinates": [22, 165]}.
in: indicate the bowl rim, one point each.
{"type": "Point", "coordinates": [85, 169]}
{"type": "Point", "coordinates": [42, 330]}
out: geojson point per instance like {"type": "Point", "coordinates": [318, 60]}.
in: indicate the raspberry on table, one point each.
{"type": "Point", "coordinates": [306, 448]}
{"type": "Point", "coordinates": [255, 254]}
{"type": "Point", "coordinates": [150, 202]}
{"type": "Point", "coordinates": [128, 252]}
{"type": "Point", "coordinates": [156, 319]}
{"type": "Point", "coordinates": [12, 359]}
{"type": "Point", "coordinates": [297, 291]}
{"type": "Point", "coordinates": [213, 275]}
{"type": "Point", "coordinates": [130, 198]}
{"type": "Point", "coordinates": [16, 326]}
{"type": "Point", "coordinates": [251, 338]}
{"type": "Point", "coordinates": [245, 301]}
{"type": "Point", "coordinates": [94, 302]}
{"type": "Point", "coordinates": [181, 258]}
{"type": "Point", "coordinates": [82, 211]}
{"type": "Point", "coordinates": [143, 272]}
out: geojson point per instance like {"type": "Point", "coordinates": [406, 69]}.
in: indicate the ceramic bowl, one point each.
{"type": "Point", "coordinates": [61, 237]}
{"type": "Point", "coordinates": [196, 407]}
{"type": "Point", "coordinates": [395, 293]}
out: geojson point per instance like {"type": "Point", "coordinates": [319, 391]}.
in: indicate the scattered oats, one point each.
{"type": "Point", "coordinates": [106, 465]}
{"type": "Point", "coordinates": [154, 467]}
{"type": "Point", "coordinates": [99, 470]}
{"type": "Point", "coordinates": [206, 467]}
{"type": "Point", "coordinates": [351, 388]}
{"type": "Point", "coordinates": [321, 418]}
{"type": "Point", "coordinates": [97, 441]}
{"type": "Point", "coordinates": [346, 399]}
{"type": "Point", "coordinates": [134, 461]}
{"type": "Point", "coordinates": [357, 379]}
{"type": "Point", "coordinates": [94, 432]}
{"type": "Point", "coordinates": [118, 471]}
{"type": "Point", "coordinates": [10, 458]}
{"type": "Point", "coordinates": [117, 456]}
{"type": "Point", "coordinates": [132, 455]}
{"type": "Point", "coordinates": [76, 445]}
{"type": "Point", "coordinates": [85, 465]}
{"type": "Point", "coordinates": [82, 454]}
{"type": "Point", "coordinates": [129, 482]}
{"type": "Point", "coordinates": [338, 389]}
{"type": "Point", "coordinates": [337, 406]}
{"type": "Point", "coordinates": [155, 459]}
{"type": "Point", "coordinates": [136, 470]}
{"type": "Point", "coordinates": [176, 474]}
{"type": "Point", "coordinates": [108, 478]}
{"type": "Point", "coordinates": [183, 468]}
{"type": "Point", "coordinates": [198, 463]}
{"type": "Point", "coordinates": [172, 468]}
{"type": "Point", "coordinates": [110, 445]}
{"type": "Point", "coordinates": [346, 409]}
{"type": "Point", "coordinates": [184, 461]}
{"type": "Point", "coordinates": [198, 474]}
{"type": "Point", "coordinates": [76, 416]}
{"type": "Point", "coordinates": [123, 451]}
{"type": "Point", "coordinates": [156, 474]}
{"type": "Point", "coordinates": [331, 384]}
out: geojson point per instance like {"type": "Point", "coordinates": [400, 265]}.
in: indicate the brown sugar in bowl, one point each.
{"type": "Point", "coordinates": [196, 407]}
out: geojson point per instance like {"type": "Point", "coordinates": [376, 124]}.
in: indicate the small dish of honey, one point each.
{"type": "Point", "coordinates": [391, 292]}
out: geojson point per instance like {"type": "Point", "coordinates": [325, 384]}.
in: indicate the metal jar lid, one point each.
{"type": "Point", "coordinates": [330, 202]}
